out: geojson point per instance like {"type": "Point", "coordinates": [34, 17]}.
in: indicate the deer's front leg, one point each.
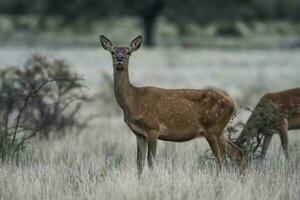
{"type": "Point", "coordinates": [152, 143]}
{"type": "Point", "coordinates": [283, 133]}
{"type": "Point", "coordinates": [265, 146]}
{"type": "Point", "coordinates": [141, 153]}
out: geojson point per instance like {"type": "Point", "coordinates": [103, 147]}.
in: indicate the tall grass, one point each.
{"type": "Point", "coordinates": [100, 164]}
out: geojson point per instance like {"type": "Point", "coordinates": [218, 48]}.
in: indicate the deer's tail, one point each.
{"type": "Point", "coordinates": [229, 99]}
{"type": "Point", "coordinates": [236, 106]}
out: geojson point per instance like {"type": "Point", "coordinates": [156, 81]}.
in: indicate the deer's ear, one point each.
{"type": "Point", "coordinates": [106, 43]}
{"type": "Point", "coordinates": [136, 43]}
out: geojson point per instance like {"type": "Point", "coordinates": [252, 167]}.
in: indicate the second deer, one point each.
{"type": "Point", "coordinates": [170, 114]}
{"type": "Point", "coordinates": [275, 112]}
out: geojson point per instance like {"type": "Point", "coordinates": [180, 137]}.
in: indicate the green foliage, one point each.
{"type": "Point", "coordinates": [9, 150]}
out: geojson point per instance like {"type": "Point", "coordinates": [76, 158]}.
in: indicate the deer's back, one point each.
{"type": "Point", "coordinates": [287, 99]}
{"type": "Point", "coordinates": [279, 105]}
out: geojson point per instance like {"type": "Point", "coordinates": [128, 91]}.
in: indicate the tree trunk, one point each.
{"type": "Point", "coordinates": [42, 23]}
{"type": "Point", "coordinates": [149, 17]}
{"type": "Point", "coordinates": [149, 27]}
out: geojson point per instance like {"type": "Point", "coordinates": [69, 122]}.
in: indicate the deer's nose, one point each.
{"type": "Point", "coordinates": [120, 57]}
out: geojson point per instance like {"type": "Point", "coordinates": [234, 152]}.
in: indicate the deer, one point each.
{"type": "Point", "coordinates": [275, 112]}
{"type": "Point", "coordinates": [176, 115]}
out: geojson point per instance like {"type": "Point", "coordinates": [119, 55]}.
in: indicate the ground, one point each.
{"type": "Point", "coordinates": [100, 162]}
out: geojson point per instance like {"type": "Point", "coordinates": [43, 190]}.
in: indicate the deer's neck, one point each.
{"type": "Point", "coordinates": [124, 91]}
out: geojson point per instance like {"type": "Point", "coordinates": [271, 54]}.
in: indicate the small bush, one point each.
{"type": "Point", "coordinates": [35, 101]}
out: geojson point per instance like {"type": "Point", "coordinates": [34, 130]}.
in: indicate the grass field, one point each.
{"type": "Point", "coordinates": [100, 162]}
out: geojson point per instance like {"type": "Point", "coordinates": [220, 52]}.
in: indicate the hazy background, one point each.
{"type": "Point", "coordinates": [186, 43]}
{"type": "Point", "coordinates": [167, 23]}
{"type": "Point", "coordinates": [245, 47]}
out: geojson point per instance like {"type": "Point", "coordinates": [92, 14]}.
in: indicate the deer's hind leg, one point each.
{"type": "Point", "coordinates": [234, 152]}
{"type": "Point", "coordinates": [214, 144]}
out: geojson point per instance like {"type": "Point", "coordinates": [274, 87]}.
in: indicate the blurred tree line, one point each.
{"type": "Point", "coordinates": [178, 12]}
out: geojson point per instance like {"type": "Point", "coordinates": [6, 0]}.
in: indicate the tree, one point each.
{"type": "Point", "coordinates": [89, 10]}
{"type": "Point", "coordinates": [148, 11]}
{"type": "Point", "coordinates": [179, 12]}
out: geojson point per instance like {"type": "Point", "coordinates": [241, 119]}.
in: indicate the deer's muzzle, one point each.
{"type": "Point", "coordinates": [119, 66]}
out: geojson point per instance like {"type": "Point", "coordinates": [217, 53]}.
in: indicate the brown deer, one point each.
{"type": "Point", "coordinates": [275, 112]}
{"type": "Point", "coordinates": [170, 114]}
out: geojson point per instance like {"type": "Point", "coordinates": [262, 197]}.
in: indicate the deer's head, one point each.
{"type": "Point", "coordinates": [246, 134]}
{"type": "Point", "coordinates": [249, 131]}
{"type": "Point", "coordinates": [261, 120]}
{"type": "Point", "coordinates": [121, 55]}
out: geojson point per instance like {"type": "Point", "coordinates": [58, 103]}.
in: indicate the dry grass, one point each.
{"type": "Point", "coordinates": [100, 163]}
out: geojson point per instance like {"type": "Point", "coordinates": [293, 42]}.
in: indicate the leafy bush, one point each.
{"type": "Point", "coordinates": [34, 101]}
